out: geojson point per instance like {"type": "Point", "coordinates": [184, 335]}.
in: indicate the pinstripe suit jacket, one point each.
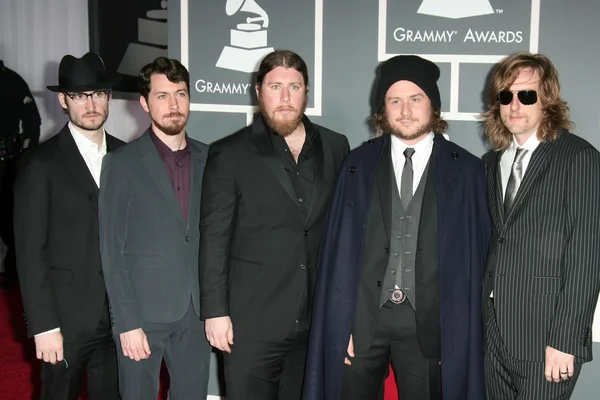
{"type": "Point", "coordinates": [544, 258]}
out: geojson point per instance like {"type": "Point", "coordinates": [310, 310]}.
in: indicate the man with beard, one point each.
{"type": "Point", "coordinates": [56, 236]}
{"type": "Point", "coordinates": [149, 237]}
{"type": "Point", "coordinates": [264, 200]}
{"type": "Point", "coordinates": [402, 257]}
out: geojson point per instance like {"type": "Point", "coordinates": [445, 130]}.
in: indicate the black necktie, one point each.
{"type": "Point", "coordinates": [406, 182]}
{"type": "Point", "coordinates": [514, 181]}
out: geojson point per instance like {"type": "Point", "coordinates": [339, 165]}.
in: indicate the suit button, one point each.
{"type": "Point", "coordinates": [98, 240]}
{"type": "Point", "coordinates": [387, 249]}
{"type": "Point", "coordinates": [187, 238]}
{"type": "Point", "coordinates": [490, 274]}
{"type": "Point", "coordinates": [305, 233]}
{"type": "Point", "coordinates": [501, 240]}
{"type": "Point", "coordinates": [378, 283]}
{"type": "Point", "coordinates": [455, 155]}
{"type": "Point", "coordinates": [302, 266]}
{"type": "Point", "coordinates": [100, 273]}
{"type": "Point", "coordinates": [352, 169]}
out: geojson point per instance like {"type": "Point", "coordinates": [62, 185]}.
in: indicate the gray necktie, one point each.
{"type": "Point", "coordinates": [514, 181]}
{"type": "Point", "coordinates": [406, 182]}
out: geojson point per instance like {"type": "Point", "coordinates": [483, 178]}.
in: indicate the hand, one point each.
{"type": "Point", "coordinates": [219, 333]}
{"type": "Point", "coordinates": [350, 351]}
{"type": "Point", "coordinates": [559, 365]}
{"type": "Point", "coordinates": [135, 344]}
{"type": "Point", "coordinates": [49, 347]}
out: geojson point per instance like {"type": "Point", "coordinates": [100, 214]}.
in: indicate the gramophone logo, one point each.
{"type": "Point", "coordinates": [248, 42]}
{"type": "Point", "coordinates": [456, 9]}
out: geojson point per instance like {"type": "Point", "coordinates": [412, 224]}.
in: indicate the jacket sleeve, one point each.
{"type": "Point", "coordinates": [31, 226]}
{"type": "Point", "coordinates": [113, 208]}
{"type": "Point", "coordinates": [571, 328]}
{"type": "Point", "coordinates": [217, 220]}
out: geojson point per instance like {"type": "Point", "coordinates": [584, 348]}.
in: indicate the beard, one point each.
{"type": "Point", "coordinates": [85, 124]}
{"type": "Point", "coordinates": [172, 127]}
{"type": "Point", "coordinates": [284, 126]}
{"type": "Point", "coordinates": [423, 129]}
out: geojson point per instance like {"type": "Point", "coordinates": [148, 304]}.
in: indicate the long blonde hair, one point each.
{"type": "Point", "coordinates": [555, 110]}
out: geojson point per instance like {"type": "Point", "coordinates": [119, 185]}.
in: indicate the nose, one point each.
{"type": "Point", "coordinates": [515, 103]}
{"type": "Point", "coordinates": [173, 103]}
{"type": "Point", "coordinates": [405, 108]}
{"type": "Point", "coordinates": [285, 94]}
{"type": "Point", "coordinates": [90, 105]}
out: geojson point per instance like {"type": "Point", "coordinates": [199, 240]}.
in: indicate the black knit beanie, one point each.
{"type": "Point", "coordinates": [420, 71]}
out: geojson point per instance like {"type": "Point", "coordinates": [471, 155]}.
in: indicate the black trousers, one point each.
{"type": "Point", "coordinates": [508, 378]}
{"type": "Point", "coordinates": [7, 182]}
{"type": "Point", "coordinates": [186, 353]}
{"type": "Point", "coordinates": [417, 377]}
{"type": "Point", "coordinates": [256, 370]}
{"type": "Point", "coordinates": [96, 354]}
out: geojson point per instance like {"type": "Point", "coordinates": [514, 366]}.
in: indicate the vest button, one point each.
{"type": "Point", "coordinates": [387, 249]}
{"type": "Point", "coordinates": [305, 233]}
{"type": "Point", "coordinates": [501, 240]}
{"type": "Point", "coordinates": [378, 283]}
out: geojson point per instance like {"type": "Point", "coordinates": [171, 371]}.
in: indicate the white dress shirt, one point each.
{"type": "Point", "coordinates": [92, 155]}
{"type": "Point", "coordinates": [419, 159]}
{"type": "Point", "coordinates": [507, 159]}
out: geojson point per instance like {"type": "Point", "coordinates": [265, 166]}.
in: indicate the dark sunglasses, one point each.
{"type": "Point", "coordinates": [526, 97]}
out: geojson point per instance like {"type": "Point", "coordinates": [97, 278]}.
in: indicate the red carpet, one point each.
{"type": "Point", "coordinates": [20, 376]}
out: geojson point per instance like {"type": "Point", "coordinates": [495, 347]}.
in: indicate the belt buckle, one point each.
{"type": "Point", "coordinates": [398, 297]}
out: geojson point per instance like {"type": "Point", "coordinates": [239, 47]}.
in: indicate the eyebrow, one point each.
{"type": "Point", "coordinates": [281, 83]}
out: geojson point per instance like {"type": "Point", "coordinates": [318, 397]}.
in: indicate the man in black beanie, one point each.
{"type": "Point", "coordinates": [402, 256]}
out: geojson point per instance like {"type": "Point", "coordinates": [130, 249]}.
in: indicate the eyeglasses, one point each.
{"type": "Point", "coordinates": [526, 97]}
{"type": "Point", "coordinates": [99, 96]}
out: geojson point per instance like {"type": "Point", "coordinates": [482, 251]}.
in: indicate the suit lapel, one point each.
{"type": "Point", "coordinates": [537, 166]}
{"type": "Point", "coordinates": [317, 193]}
{"type": "Point", "coordinates": [198, 160]}
{"type": "Point", "coordinates": [495, 189]}
{"type": "Point", "coordinates": [77, 167]}
{"type": "Point", "coordinates": [271, 159]}
{"type": "Point", "coordinates": [385, 180]}
{"type": "Point", "coordinates": [156, 168]}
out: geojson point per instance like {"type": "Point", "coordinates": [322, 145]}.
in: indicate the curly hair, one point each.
{"type": "Point", "coordinates": [555, 110]}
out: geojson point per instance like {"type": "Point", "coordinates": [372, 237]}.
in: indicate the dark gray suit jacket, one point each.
{"type": "Point", "coordinates": [544, 258]}
{"type": "Point", "coordinates": [149, 253]}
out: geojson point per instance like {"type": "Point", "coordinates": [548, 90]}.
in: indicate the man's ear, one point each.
{"type": "Point", "coordinates": [144, 104]}
{"type": "Point", "coordinates": [62, 99]}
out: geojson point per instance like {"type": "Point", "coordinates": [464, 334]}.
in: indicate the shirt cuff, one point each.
{"type": "Point", "coordinates": [50, 331]}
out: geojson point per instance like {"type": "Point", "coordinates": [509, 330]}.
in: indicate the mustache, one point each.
{"type": "Point", "coordinates": [91, 114]}
{"type": "Point", "coordinates": [288, 108]}
{"type": "Point", "coordinates": [174, 114]}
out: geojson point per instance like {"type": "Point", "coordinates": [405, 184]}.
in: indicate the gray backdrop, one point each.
{"type": "Point", "coordinates": [343, 41]}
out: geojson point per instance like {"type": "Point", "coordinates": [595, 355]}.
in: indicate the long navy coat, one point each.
{"type": "Point", "coordinates": [464, 228]}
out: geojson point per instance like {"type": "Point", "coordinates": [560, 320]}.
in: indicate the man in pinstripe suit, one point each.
{"type": "Point", "coordinates": [543, 271]}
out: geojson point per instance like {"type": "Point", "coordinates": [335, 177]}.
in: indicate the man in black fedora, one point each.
{"type": "Point", "coordinates": [56, 237]}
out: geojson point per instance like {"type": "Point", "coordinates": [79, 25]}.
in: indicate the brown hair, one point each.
{"type": "Point", "coordinates": [170, 67]}
{"type": "Point", "coordinates": [555, 110]}
{"type": "Point", "coordinates": [436, 124]}
{"type": "Point", "coordinates": [281, 58]}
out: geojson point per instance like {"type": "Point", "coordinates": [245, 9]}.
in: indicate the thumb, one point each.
{"type": "Point", "coordinates": [230, 335]}
{"type": "Point", "coordinates": [351, 347]}
{"type": "Point", "coordinates": [146, 345]}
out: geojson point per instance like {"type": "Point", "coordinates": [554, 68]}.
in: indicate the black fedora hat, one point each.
{"type": "Point", "coordinates": [82, 74]}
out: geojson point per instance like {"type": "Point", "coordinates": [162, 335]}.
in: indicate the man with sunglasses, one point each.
{"type": "Point", "coordinates": [542, 278]}
{"type": "Point", "coordinates": [56, 237]}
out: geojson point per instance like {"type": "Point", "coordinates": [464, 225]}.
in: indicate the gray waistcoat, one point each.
{"type": "Point", "coordinates": [403, 243]}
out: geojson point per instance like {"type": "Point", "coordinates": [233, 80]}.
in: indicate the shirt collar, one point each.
{"type": "Point", "coordinates": [530, 144]}
{"type": "Point", "coordinates": [163, 150]}
{"type": "Point", "coordinates": [423, 148]}
{"type": "Point", "coordinates": [84, 143]}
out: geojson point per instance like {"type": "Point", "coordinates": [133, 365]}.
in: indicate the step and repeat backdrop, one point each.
{"type": "Point", "coordinates": [343, 41]}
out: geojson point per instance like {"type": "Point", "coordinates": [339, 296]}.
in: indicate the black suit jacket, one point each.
{"type": "Point", "coordinates": [56, 237]}
{"type": "Point", "coordinates": [258, 253]}
{"type": "Point", "coordinates": [544, 258]}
